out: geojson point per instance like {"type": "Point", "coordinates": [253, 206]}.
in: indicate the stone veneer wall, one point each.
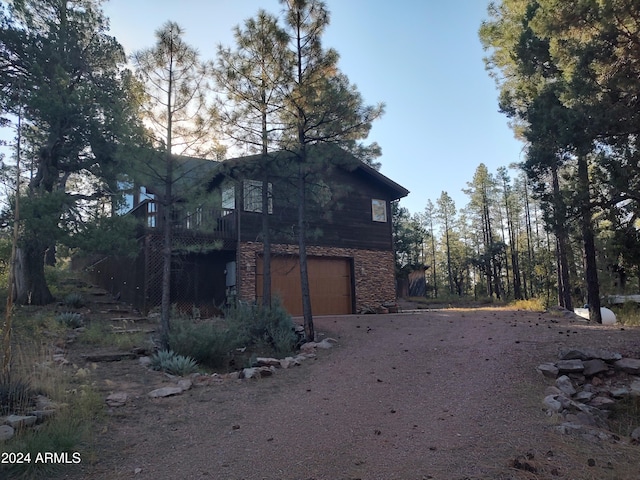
{"type": "Point", "coordinates": [374, 271]}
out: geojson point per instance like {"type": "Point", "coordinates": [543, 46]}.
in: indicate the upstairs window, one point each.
{"type": "Point", "coordinates": [228, 197]}
{"type": "Point", "coordinates": [379, 210]}
{"type": "Point", "coordinates": [253, 196]}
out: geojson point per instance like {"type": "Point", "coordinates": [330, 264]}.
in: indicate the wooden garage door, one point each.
{"type": "Point", "coordinates": [329, 283]}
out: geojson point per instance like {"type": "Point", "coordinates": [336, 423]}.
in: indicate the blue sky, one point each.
{"type": "Point", "coordinates": [422, 58]}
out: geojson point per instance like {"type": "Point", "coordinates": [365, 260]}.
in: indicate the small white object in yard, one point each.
{"type": "Point", "coordinates": [608, 317]}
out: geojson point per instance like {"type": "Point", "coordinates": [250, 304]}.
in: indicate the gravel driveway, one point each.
{"type": "Point", "coordinates": [446, 394]}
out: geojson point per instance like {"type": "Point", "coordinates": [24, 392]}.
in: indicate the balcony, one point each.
{"type": "Point", "coordinates": [217, 223]}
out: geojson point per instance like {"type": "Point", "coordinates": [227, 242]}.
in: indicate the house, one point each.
{"type": "Point", "coordinates": [219, 247]}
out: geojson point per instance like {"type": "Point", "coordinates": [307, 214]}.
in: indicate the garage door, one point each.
{"type": "Point", "coordinates": [329, 282]}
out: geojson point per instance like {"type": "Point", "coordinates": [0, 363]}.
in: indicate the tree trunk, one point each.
{"type": "Point", "coordinates": [593, 287]}
{"type": "Point", "coordinates": [167, 247]}
{"type": "Point", "coordinates": [266, 246]}
{"type": "Point", "coordinates": [302, 245]}
{"type": "Point", "coordinates": [30, 283]}
{"type": "Point", "coordinates": [560, 230]}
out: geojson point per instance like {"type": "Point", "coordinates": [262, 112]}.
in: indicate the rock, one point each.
{"type": "Point", "coordinates": [551, 390]}
{"type": "Point", "coordinates": [635, 435]}
{"type": "Point", "coordinates": [601, 402]}
{"type": "Point", "coordinates": [266, 371]}
{"type": "Point", "coordinates": [6, 432]}
{"type": "Point", "coordinates": [549, 370]}
{"type": "Point", "coordinates": [42, 415]}
{"type": "Point", "coordinates": [588, 354]}
{"type": "Point", "coordinates": [165, 392]}
{"type": "Point", "coordinates": [308, 347]}
{"type": "Point", "coordinates": [253, 372]}
{"type": "Point", "coordinates": [583, 396]}
{"type": "Point", "coordinates": [145, 361]}
{"type": "Point", "coordinates": [117, 399]}
{"type": "Point", "coordinates": [233, 375]}
{"type": "Point", "coordinates": [620, 392]}
{"type": "Point", "coordinates": [552, 403]}
{"type": "Point", "coordinates": [325, 344]}
{"type": "Point", "coordinates": [565, 385]}
{"type": "Point", "coordinates": [594, 366]}
{"type": "Point", "coordinates": [289, 362]}
{"type": "Point", "coordinates": [629, 365]}
{"type": "Point", "coordinates": [44, 403]}
{"type": "Point", "coordinates": [185, 384]}
{"type": "Point", "coordinates": [570, 366]}
{"type": "Point", "coordinates": [635, 388]}
{"type": "Point", "coordinates": [267, 362]}
{"type": "Point", "coordinates": [20, 421]}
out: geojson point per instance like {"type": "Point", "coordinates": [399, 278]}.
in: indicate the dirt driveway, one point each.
{"type": "Point", "coordinates": [446, 394]}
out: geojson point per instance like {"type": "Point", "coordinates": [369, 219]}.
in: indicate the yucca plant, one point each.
{"type": "Point", "coordinates": [172, 363]}
{"type": "Point", "coordinates": [70, 319]}
{"type": "Point", "coordinates": [74, 300]}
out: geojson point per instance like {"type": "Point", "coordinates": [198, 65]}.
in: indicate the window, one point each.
{"type": "Point", "coordinates": [253, 196]}
{"type": "Point", "coordinates": [228, 197]}
{"type": "Point", "coordinates": [379, 210]}
{"type": "Point", "coordinates": [152, 214]}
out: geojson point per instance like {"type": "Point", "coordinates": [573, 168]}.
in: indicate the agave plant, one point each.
{"type": "Point", "coordinates": [172, 363]}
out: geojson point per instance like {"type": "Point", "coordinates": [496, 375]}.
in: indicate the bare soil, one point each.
{"type": "Point", "coordinates": [439, 394]}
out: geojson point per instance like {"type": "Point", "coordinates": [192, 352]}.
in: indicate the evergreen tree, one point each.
{"type": "Point", "coordinates": [181, 120]}
{"type": "Point", "coordinates": [321, 108]}
{"type": "Point", "coordinates": [66, 75]}
{"type": "Point", "coordinates": [251, 76]}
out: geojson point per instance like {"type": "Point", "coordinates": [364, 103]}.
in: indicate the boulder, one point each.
{"type": "Point", "coordinates": [629, 365]}
{"type": "Point", "coordinates": [594, 366]}
{"type": "Point", "coordinates": [570, 366]}
{"type": "Point", "coordinates": [565, 385]}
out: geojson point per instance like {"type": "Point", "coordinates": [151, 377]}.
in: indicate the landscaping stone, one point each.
{"type": "Point", "coordinates": [21, 421]}
{"type": "Point", "coordinates": [565, 385]}
{"type": "Point", "coordinates": [594, 366]}
{"type": "Point", "coordinates": [549, 370]}
{"type": "Point", "coordinates": [629, 365]}
{"type": "Point", "coordinates": [583, 397]}
{"type": "Point", "coordinates": [117, 399]}
{"type": "Point", "coordinates": [6, 433]}
{"type": "Point", "coordinates": [570, 366]}
{"type": "Point", "coordinates": [165, 392]}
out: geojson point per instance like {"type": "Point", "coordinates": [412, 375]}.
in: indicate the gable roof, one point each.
{"type": "Point", "coordinates": [241, 167]}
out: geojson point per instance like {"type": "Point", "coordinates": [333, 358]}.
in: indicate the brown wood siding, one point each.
{"type": "Point", "coordinates": [344, 220]}
{"type": "Point", "coordinates": [330, 283]}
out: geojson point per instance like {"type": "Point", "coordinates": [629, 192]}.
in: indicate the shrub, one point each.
{"type": "Point", "coordinates": [74, 300]}
{"type": "Point", "coordinates": [206, 342]}
{"type": "Point", "coordinates": [70, 319]}
{"type": "Point", "coordinates": [533, 305]}
{"type": "Point", "coordinates": [271, 326]}
{"type": "Point", "coordinates": [170, 362]}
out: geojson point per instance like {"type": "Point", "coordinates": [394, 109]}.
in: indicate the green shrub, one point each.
{"type": "Point", "coordinates": [170, 362]}
{"type": "Point", "coordinates": [206, 342]}
{"type": "Point", "coordinates": [70, 319]}
{"type": "Point", "coordinates": [74, 300]}
{"type": "Point", "coordinates": [263, 325]}
{"type": "Point", "coordinates": [213, 343]}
